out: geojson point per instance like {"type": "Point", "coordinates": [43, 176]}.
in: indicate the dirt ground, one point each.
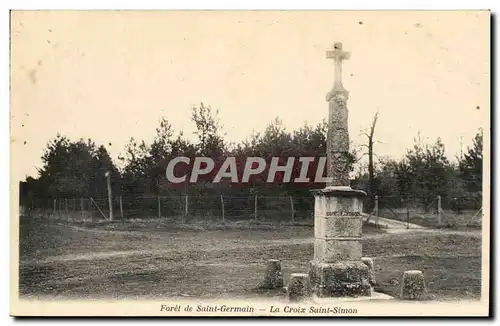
{"type": "Point", "coordinates": [142, 259]}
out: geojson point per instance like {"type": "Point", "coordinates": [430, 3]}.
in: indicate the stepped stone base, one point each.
{"type": "Point", "coordinates": [340, 279]}
{"type": "Point", "coordinates": [339, 300]}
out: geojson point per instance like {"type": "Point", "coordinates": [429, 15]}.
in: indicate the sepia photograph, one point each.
{"type": "Point", "coordinates": [250, 163]}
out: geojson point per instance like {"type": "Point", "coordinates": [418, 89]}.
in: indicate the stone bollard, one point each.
{"type": "Point", "coordinates": [413, 285]}
{"type": "Point", "coordinates": [274, 276]}
{"type": "Point", "coordinates": [299, 287]}
{"type": "Point", "coordinates": [313, 277]}
{"type": "Point", "coordinates": [369, 262]}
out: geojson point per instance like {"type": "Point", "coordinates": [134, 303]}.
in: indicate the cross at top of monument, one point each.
{"type": "Point", "coordinates": [338, 56]}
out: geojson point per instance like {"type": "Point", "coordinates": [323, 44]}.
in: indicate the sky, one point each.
{"type": "Point", "coordinates": [111, 75]}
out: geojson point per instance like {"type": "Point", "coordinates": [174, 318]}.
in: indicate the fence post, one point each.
{"type": "Point", "coordinates": [293, 209]}
{"type": "Point", "coordinates": [55, 209]}
{"type": "Point", "coordinates": [186, 207]}
{"type": "Point", "coordinates": [439, 210]}
{"type": "Point", "coordinates": [407, 216]}
{"type": "Point", "coordinates": [222, 205]}
{"type": "Point", "coordinates": [81, 206]}
{"type": "Point", "coordinates": [66, 208]}
{"type": "Point", "coordinates": [376, 210]}
{"type": "Point", "coordinates": [121, 208]}
{"type": "Point", "coordinates": [91, 209]}
{"type": "Point", "coordinates": [159, 207]}
{"type": "Point", "coordinates": [255, 211]}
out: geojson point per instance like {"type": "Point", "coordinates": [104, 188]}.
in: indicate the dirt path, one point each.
{"type": "Point", "coordinates": [392, 224]}
{"type": "Point", "coordinates": [231, 245]}
{"type": "Point", "coordinates": [76, 263]}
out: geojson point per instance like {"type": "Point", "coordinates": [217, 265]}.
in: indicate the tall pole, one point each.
{"type": "Point", "coordinates": [108, 179]}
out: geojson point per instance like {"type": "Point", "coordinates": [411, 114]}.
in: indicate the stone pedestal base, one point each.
{"type": "Point", "coordinates": [337, 269]}
{"type": "Point", "coordinates": [340, 279]}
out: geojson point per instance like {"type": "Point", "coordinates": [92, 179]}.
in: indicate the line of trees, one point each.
{"type": "Point", "coordinates": [76, 168]}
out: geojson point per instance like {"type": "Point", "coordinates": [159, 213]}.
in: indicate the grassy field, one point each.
{"type": "Point", "coordinates": [140, 259]}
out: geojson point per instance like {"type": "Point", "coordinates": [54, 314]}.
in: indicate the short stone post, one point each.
{"type": "Point", "coordinates": [413, 285]}
{"type": "Point", "coordinates": [274, 276]}
{"type": "Point", "coordinates": [299, 287]}
{"type": "Point", "coordinates": [369, 262]}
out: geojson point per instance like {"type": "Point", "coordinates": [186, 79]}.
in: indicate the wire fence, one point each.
{"type": "Point", "coordinates": [185, 208]}
{"type": "Point", "coordinates": [430, 214]}
{"type": "Point", "coordinates": [182, 207]}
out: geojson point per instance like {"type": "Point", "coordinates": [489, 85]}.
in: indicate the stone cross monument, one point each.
{"type": "Point", "coordinates": [337, 269]}
{"type": "Point", "coordinates": [338, 135]}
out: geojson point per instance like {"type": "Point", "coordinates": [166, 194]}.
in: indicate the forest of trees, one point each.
{"type": "Point", "coordinates": [76, 168]}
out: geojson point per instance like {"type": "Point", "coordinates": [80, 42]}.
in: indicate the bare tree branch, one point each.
{"type": "Point", "coordinates": [360, 157]}
{"type": "Point", "coordinates": [371, 167]}
{"type": "Point", "coordinates": [372, 127]}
